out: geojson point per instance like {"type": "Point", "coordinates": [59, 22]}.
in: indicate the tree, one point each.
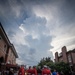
{"type": "Point", "coordinates": [45, 61]}
{"type": "Point", "coordinates": [60, 66]}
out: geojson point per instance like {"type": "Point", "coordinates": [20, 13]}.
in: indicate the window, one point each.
{"type": "Point", "coordinates": [61, 59]}
{"type": "Point", "coordinates": [0, 37]}
{"type": "Point", "coordinates": [12, 61]}
{"type": "Point", "coordinates": [69, 58]}
{"type": "Point", "coordinates": [5, 47]}
{"type": "Point", "coordinates": [10, 53]}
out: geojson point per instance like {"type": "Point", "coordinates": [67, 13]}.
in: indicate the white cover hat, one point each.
{"type": "Point", "coordinates": [45, 66]}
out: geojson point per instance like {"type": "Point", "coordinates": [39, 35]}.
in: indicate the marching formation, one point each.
{"type": "Point", "coordinates": [22, 70]}
{"type": "Point", "coordinates": [33, 71]}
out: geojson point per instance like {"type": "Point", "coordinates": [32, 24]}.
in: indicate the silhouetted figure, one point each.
{"type": "Point", "coordinates": [39, 71]}
{"type": "Point", "coordinates": [21, 70]}
{"type": "Point", "coordinates": [72, 73]}
{"type": "Point", "coordinates": [3, 72]}
{"type": "Point", "coordinates": [11, 72]}
{"type": "Point", "coordinates": [34, 71]}
{"type": "Point", "coordinates": [29, 71]}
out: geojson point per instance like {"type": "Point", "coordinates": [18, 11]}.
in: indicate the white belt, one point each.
{"type": "Point", "coordinates": [33, 74]}
{"type": "Point", "coordinates": [45, 74]}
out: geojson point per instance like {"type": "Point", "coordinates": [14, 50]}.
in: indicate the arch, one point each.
{"type": "Point", "coordinates": [1, 59]}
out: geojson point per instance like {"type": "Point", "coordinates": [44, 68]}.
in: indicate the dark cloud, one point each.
{"type": "Point", "coordinates": [26, 54]}
{"type": "Point", "coordinates": [32, 51]}
{"type": "Point", "coordinates": [66, 12]}
{"type": "Point", "coordinates": [14, 13]}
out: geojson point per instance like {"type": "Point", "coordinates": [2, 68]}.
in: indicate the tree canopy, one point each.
{"type": "Point", "coordinates": [60, 66]}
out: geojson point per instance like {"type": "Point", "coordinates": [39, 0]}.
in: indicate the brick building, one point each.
{"type": "Point", "coordinates": [8, 53]}
{"type": "Point", "coordinates": [12, 55]}
{"type": "Point", "coordinates": [66, 56]}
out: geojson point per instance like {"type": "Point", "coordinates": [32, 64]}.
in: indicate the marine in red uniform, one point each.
{"type": "Point", "coordinates": [34, 71]}
{"type": "Point", "coordinates": [21, 70]}
{"type": "Point", "coordinates": [46, 71]}
{"type": "Point", "coordinates": [29, 71]}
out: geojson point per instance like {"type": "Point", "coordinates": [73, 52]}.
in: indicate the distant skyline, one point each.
{"type": "Point", "coordinates": [38, 28]}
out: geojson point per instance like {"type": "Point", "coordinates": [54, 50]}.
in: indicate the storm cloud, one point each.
{"type": "Point", "coordinates": [38, 28]}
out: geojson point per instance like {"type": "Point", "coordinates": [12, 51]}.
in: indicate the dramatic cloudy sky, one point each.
{"type": "Point", "coordinates": [38, 28]}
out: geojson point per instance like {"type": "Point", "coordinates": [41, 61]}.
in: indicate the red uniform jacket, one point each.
{"type": "Point", "coordinates": [46, 71]}
{"type": "Point", "coordinates": [29, 72]}
{"type": "Point", "coordinates": [21, 71]}
{"type": "Point", "coordinates": [34, 71]}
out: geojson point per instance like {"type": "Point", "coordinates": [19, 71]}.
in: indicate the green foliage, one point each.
{"type": "Point", "coordinates": [45, 61]}
{"type": "Point", "coordinates": [61, 66]}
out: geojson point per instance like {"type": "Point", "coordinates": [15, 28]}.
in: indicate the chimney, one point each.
{"type": "Point", "coordinates": [64, 50]}
{"type": "Point", "coordinates": [56, 57]}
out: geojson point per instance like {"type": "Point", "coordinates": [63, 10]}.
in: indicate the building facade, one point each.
{"type": "Point", "coordinates": [4, 45]}
{"type": "Point", "coordinates": [8, 53]}
{"type": "Point", "coordinates": [12, 55]}
{"type": "Point", "coordinates": [66, 56]}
